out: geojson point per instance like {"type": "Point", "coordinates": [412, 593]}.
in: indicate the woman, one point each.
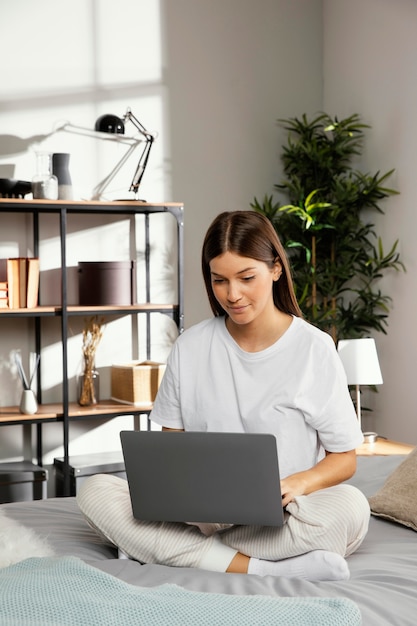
{"type": "Point", "coordinates": [256, 366]}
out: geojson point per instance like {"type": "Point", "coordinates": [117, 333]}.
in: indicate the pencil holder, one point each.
{"type": "Point", "coordinates": [28, 402]}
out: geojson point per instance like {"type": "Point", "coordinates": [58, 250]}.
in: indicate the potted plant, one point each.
{"type": "Point", "coordinates": [336, 256]}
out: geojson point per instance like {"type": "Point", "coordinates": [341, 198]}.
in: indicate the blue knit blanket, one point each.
{"type": "Point", "coordinates": [64, 590]}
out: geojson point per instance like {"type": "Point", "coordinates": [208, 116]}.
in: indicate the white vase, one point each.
{"type": "Point", "coordinates": [28, 402]}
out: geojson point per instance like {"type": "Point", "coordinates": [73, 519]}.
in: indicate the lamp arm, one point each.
{"type": "Point", "coordinates": [105, 182]}
{"type": "Point", "coordinates": [141, 166]}
{"type": "Point", "coordinates": [143, 160]}
{"type": "Point", "coordinates": [96, 134]}
{"type": "Point", "coordinates": [129, 117]}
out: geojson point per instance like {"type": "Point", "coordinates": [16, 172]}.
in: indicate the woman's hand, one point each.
{"type": "Point", "coordinates": [292, 486]}
{"type": "Point", "coordinates": [335, 468]}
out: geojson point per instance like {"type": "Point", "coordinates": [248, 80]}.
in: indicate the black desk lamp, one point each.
{"type": "Point", "coordinates": [112, 128]}
{"type": "Point", "coordinates": [112, 124]}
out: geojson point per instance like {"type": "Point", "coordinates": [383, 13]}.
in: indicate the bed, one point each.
{"type": "Point", "coordinates": [383, 582]}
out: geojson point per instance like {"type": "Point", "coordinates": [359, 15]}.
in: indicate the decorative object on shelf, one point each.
{"type": "Point", "coordinates": [112, 128]}
{"type": "Point", "coordinates": [44, 183]}
{"type": "Point", "coordinates": [21, 276]}
{"type": "Point", "coordinates": [136, 383]}
{"type": "Point", "coordinates": [360, 360]}
{"type": "Point", "coordinates": [28, 402]}
{"type": "Point", "coordinates": [107, 283]}
{"type": "Point", "coordinates": [11, 188]}
{"type": "Point", "coordinates": [89, 381]}
{"type": "Point", "coordinates": [60, 168]}
{"type": "Point", "coordinates": [4, 292]}
{"type": "Point", "coordinates": [88, 387]}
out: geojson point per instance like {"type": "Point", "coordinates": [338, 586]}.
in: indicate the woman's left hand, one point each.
{"type": "Point", "coordinates": [335, 468]}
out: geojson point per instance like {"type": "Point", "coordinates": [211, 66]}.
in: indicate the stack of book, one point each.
{"type": "Point", "coordinates": [21, 277]}
{"type": "Point", "coordinates": [4, 300]}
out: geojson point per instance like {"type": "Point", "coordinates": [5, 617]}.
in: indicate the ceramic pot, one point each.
{"type": "Point", "coordinates": [28, 402]}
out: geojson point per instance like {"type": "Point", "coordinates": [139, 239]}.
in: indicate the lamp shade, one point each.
{"type": "Point", "coordinates": [109, 123]}
{"type": "Point", "coordinates": [360, 360]}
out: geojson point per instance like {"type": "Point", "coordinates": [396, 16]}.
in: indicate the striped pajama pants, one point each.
{"type": "Point", "coordinates": [334, 519]}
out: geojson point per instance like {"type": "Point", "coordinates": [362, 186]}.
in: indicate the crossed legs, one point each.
{"type": "Point", "coordinates": [333, 521]}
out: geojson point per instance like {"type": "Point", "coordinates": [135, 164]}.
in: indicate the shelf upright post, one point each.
{"type": "Point", "coordinates": [37, 321]}
{"type": "Point", "coordinates": [64, 331]}
{"type": "Point", "coordinates": [180, 273]}
{"type": "Point", "coordinates": [148, 285]}
{"type": "Point", "coordinates": [178, 214]}
{"type": "Point", "coordinates": [133, 257]}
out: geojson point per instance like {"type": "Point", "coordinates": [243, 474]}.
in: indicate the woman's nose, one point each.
{"type": "Point", "coordinates": [233, 293]}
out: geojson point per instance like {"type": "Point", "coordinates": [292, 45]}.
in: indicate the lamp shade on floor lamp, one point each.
{"type": "Point", "coordinates": [361, 364]}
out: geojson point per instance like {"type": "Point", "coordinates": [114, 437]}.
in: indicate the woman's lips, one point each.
{"type": "Point", "coordinates": [237, 309]}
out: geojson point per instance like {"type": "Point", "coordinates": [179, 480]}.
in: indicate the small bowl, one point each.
{"type": "Point", "coordinates": [11, 188]}
{"type": "Point", "coordinates": [370, 437]}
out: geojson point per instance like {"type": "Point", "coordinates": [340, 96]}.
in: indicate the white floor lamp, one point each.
{"type": "Point", "coordinates": [360, 360]}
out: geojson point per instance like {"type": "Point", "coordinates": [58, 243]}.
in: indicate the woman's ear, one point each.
{"type": "Point", "coordinates": [277, 270]}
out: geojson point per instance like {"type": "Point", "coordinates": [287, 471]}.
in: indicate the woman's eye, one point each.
{"type": "Point", "coordinates": [247, 278]}
{"type": "Point", "coordinates": [217, 281]}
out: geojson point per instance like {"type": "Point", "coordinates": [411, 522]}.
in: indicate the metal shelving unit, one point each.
{"type": "Point", "coordinates": [66, 411]}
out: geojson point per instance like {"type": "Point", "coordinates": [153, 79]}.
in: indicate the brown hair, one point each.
{"type": "Point", "coordinates": [251, 235]}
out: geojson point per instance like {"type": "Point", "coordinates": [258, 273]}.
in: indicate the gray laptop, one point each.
{"type": "Point", "coordinates": [203, 477]}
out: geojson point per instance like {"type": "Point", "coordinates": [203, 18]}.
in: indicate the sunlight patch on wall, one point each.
{"type": "Point", "coordinates": [128, 42]}
{"type": "Point", "coordinates": [45, 43]}
{"type": "Point", "coordinates": [56, 46]}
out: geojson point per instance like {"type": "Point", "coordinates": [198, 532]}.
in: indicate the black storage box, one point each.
{"type": "Point", "coordinates": [85, 465]}
{"type": "Point", "coordinates": [21, 481]}
{"type": "Point", "coordinates": [107, 283]}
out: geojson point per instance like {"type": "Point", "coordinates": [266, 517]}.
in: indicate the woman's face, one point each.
{"type": "Point", "coordinates": [243, 286]}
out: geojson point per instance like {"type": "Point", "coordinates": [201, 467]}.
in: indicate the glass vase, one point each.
{"type": "Point", "coordinates": [88, 387]}
{"type": "Point", "coordinates": [44, 183]}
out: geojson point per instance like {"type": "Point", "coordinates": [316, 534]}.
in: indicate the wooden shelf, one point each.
{"type": "Point", "coordinates": [45, 413]}
{"type": "Point", "coordinates": [105, 408]}
{"type": "Point", "coordinates": [121, 310]}
{"type": "Point", "coordinates": [88, 206]}
{"type": "Point", "coordinates": [40, 311]}
{"type": "Point", "coordinates": [54, 412]}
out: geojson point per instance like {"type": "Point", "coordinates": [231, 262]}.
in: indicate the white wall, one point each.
{"type": "Point", "coordinates": [370, 55]}
{"type": "Point", "coordinates": [233, 68]}
{"type": "Point", "coordinates": [212, 77]}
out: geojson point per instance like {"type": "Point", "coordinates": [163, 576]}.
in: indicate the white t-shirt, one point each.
{"type": "Point", "coordinates": [296, 389]}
